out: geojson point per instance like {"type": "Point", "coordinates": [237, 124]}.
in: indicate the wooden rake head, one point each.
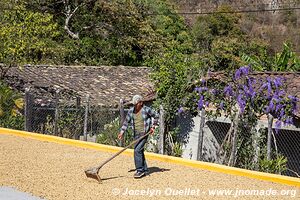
{"type": "Point", "coordinates": [93, 173]}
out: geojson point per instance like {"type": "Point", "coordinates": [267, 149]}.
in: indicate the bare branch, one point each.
{"type": "Point", "coordinates": [293, 172]}
{"type": "Point", "coordinates": [69, 15]}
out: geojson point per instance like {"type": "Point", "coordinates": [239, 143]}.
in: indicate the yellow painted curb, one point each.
{"type": "Point", "coordinates": [191, 163]}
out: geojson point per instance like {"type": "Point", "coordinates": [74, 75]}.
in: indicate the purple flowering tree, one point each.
{"type": "Point", "coordinates": [252, 96]}
{"type": "Point", "coordinates": [248, 97]}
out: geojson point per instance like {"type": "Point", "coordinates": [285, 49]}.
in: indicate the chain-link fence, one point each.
{"type": "Point", "coordinates": [200, 138]}
{"type": "Point", "coordinates": [70, 118]}
{"type": "Point", "coordinates": [287, 143]}
{"type": "Point", "coordinates": [213, 142]}
{"type": "Point", "coordinates": [79, 118]}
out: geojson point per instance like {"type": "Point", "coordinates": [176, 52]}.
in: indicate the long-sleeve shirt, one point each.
{"type": "Point", "coordinates": [147, 114]}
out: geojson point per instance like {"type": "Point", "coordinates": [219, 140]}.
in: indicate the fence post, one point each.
{"type": "Point", "coordinates": [161, 141]}
{"type": "Point", "coordinates": [78, 102]}
{"type": "Point", "coordinates": [86, 117]}
{"type": "Point", "coordinates": [201, 132]}
{"type": "Point", "coordinates": [56, 113]}
{"type": "Point", "coordinates": [28, 110]}
{"type": "Point", "coordinates": [270, 123]}
{"type": "Point", "coordinates": [78, 115]}
{"type": "Point", "coordinates": [122, 118]}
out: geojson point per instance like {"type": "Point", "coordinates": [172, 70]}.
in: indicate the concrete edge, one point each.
{"type": "Point", "coordinates": [170, 159]}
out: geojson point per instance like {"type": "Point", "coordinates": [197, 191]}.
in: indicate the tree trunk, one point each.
{"type": "Point", "coordinates": [201, 131]}
{"type": "Point", "coordinates": [232, 157]}
{"type": "Point", "coordinates": [269, 148]}
{"type": "Point", "coordinates": [256, 146]}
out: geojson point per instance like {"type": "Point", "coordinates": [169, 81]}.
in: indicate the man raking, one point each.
{"type": "Point", "coordinates": [142, 119]}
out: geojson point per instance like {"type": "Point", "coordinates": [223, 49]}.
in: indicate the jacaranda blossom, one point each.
{"type": "Point", "coordinates": [277, 125]}
{"type": "Point", "coordinates": [222, 105]}
{"type": "Point", "coordinates": [241, 102]}
{"type": "Point", "coordinates": [200, 103]}
{"type": "Point", "coordinates": [288, 121]}
{"type": "Point", "coordinates": [271, 106]}
{"type": "Point", "coordinates": [207, 103]}
{"type": "Point", "coordinates": [277, 82]}
{"type": "Point", "coordinates": [180, 110]}
{"type": "Point", "coordinates": [237, 74]}
{"type": "Point", "coordinates": [243, 71]}
{"type": "Point", "coordinates": [228, 91]}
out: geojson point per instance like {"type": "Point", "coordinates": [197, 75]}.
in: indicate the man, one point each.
{"type": "Point", "coordinates": [139, 117]}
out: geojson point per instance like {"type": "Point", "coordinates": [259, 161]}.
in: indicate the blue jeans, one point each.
{"type": "Point", "coordinates": [139, 156]}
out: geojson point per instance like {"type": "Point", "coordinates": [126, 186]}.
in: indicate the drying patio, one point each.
{"type": "Point", "coordinates": [56, 171]}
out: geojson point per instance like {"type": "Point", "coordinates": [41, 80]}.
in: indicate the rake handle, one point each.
{"type": "Point", "coordinates": [132, 143]}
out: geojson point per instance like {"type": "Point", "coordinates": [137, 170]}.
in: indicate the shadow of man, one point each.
{"type": "Point", "coordinates": [153, 170]}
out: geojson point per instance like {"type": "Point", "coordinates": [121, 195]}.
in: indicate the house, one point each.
{"type": "Point", "coordinates": [59, 95]}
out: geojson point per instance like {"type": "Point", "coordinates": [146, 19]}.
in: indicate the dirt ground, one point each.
{"type": "Point", "coordinates": [54, 171]}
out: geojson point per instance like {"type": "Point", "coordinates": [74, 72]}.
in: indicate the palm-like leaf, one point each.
{"type": "Point", "coordinates": [9, 101]}
{"type": "Point", "coordinates": [286, 60]}
{"type": "Point", "coordinates": [254, 61]}
{"type": "Point", "coordinates": [19, 103]}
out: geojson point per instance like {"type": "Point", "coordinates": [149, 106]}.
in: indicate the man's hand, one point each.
{"type": "Point", "coordinates": [120, 136]}
{"type": "Point", "coordinates": [152, 130]}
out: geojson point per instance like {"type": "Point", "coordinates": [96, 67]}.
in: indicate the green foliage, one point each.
{"type": "Point", "coordinates": [246, 153]}
{"type": "Point", "coordinates": [177, 149]}
{"type": "Point", "coordinates": [47, 127]}
{"type": "Point", "coordinates": [219, 40]}
{"type": "Point", "coordinates": [28, 37]}
{"type": "Point", "coordinates": [172, 72]}
{"type": "Point", "coordinates": [276, 165]}
{"type": "Point", "coordinates": [109, 134]}
{"type": "Point", "coordinates": [209, 27]}
{"type": "Point", "coordinates": [127, 32]}
{"type": "Point", "coordinates": [173, 147]}
{"type": "Point", "coordinates": [286, 60]}
{"type": "Point", "coordinates": [120, 32]}
{"type": "Point", "coordinates": [70, 123]}
{"type": "Point", "coordinates": [11, 104]}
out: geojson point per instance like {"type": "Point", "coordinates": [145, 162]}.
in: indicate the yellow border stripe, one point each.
{"type": "Point", "coordinates": [191, 163]}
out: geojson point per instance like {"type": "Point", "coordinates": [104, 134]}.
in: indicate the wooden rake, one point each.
{"type": "Point", "coordinates": [94, 171]}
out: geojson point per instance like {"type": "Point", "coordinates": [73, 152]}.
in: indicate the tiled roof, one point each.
{"type": "Point", "coordinates": [106, 85]}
